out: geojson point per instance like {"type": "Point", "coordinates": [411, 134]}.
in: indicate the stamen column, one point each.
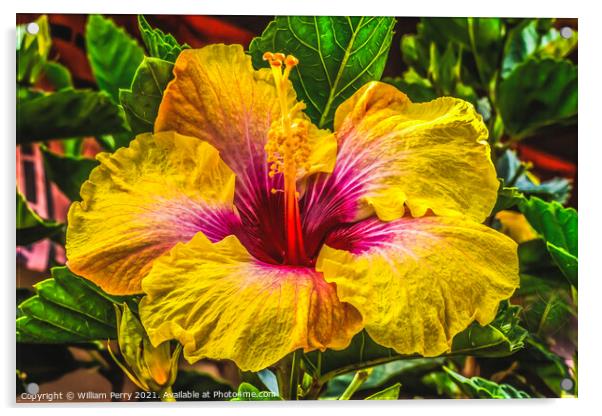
{"type": "Point", "coordinates": [285, 143]}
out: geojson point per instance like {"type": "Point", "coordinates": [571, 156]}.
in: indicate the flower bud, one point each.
{"type": "Point", "coordinates": [151, 368]}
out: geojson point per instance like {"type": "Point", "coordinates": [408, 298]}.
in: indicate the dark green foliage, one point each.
{"type": "Point", "coordinates": [158, 44]}
{"type": "Point", "coordinates": [66, 309]}
{"type": "Point", "coordinates": [516, 174]}
{"type": "Point", "coordinates": [68, 172]}
{"type": "Point", "coordinates": [113, 54]}
{"type": "Point", "coordinates": [548, 95]}
{"type": "Point", "coordinates": [337, 56]}
{"type": "Point", "coordinates": [501, 337]}
{"type": "Point", "coordinates": [141, 102]}
{"type": "Point", "coordinates": [67, 113]}
{"type": "Point", "coordinates": [480, 388]}
{"type": "Point", "coordinates": [559, 228]}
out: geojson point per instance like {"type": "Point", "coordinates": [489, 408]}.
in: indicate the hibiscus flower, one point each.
{"type": "Point", "coordinates": [252, 233]}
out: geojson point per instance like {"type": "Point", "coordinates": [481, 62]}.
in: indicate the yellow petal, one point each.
{"type": "Point", "coordinates": [419, 281]}
{"type": "Point", "coordinates": [220, 303]}
{"type": "Point", "coordinates": [427, 156]}
{"type": "Point", "coordinates": [217, 96]}
{"type": "Point", "coordinates": [322, 151]}
{"type": "Point", "coordinates": [140, 201]}
{"type": "Point", "coordinates": [516, 226]}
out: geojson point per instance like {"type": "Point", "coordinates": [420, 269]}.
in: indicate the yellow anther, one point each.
{"type": "Point", "coordinates": [287, 147]}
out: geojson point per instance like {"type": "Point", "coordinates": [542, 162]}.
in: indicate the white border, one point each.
{"type": "Point", "coordinates": [590, 154]}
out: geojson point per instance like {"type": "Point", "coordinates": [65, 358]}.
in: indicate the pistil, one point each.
{"type": "Point", "coordinates": [287, 150]}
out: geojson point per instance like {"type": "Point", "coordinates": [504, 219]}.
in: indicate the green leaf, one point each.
{"type": "Point", "coordinates": [548, 95]}
{"type": "Point", "coordinates": [442, 383]}
{"type": "Point", "coordinates": [112, 142]}
{"type": "Point", "coordinates": [22, 294]}
{"type": "Point", "coordinates": [481, 38]}
{"type": "Point", "coordinates": [546, 312]}
{"type": "Point", "coordinates": [141, 102]}
{"type": "Point", "coordinates": [32, 51]}
{"type": "Point", "coordinates": [406, 371]}
{"type": "Point", "coordinates": [443, 30]}
{"type": "Point", "coordinates": [521, 42]}
{"type": "Point", "coordinates": [68, 172]}
{"type": "Point", "coordinates": [566, 262]}
{"type": "Point", "coordinates": [362, 352]}
{"type": "Point", "coordinates": [507, 197]}
{"type": "Point", "coordinates": [534, 38]}
{"type": "Point", "coordinates": [66, 309]}
{"type": "Point", "coordinates": [58, 75]}
{"type": "Point", "coordinates": [159, 44]}
{"type": "Point", "coordinates": [516, 174]}
{"type": "Point", "coordinates": [420, 90]}
{"type": "Point", "coordinates": [554, 45]}
{"type": "Point", "coordinates": [113, 54]}
{"type": "Point", "coordinates": [72, 147]}
{"type": "Point", "coordinates": [337, 55]}
{"type": "Point", "coordinates": [444, 69]}
{"type": "Point", "coordinates": [415, 52]}
{"type": "Point", "coordinates": [480, 388]}
{"type": "Point", "coordinates": [544, 291]}
{"type": "Point", "coordinates": [32, 57]}
{"type": "Point", "coordinates": [248, 392]}
{"type": "Point", "coordinates": [67, 113]}
{"type": "Point", "coordinates": [558, 227]}
{"type": "Point", "coordinates": [538, 268]}
{"type": "Point", "coordinates": [555, 189]}
{"type": "Point", "coordinates": [25, 93]}
{"type": "Point", "coordinates": [466, 92]}
{"type": "Point", "coordinates": [549, 368]}
{"type": "Point", "coordinates": [390, 393]}
{"type": "Point", "coordinates": [502, 337]}
{"type": "Point", "coordinates": [30, 226]}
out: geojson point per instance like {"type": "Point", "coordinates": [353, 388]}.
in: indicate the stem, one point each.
{"type": "Point", "coordinates": [167, 395]}
{"type": "Point", "coordinates": [294, 377]}
{"type": "Point", "coordinates": [358, 380]}
{"type": "Point", "coordinates": [287, 375]}
{"type": "Point", "coordinates": [324, 378]}
{"type": "Point", "coordinates": [313, 393]}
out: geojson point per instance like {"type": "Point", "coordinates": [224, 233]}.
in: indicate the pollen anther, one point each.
{"type": "Point", "coordinates": [287, 148]}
